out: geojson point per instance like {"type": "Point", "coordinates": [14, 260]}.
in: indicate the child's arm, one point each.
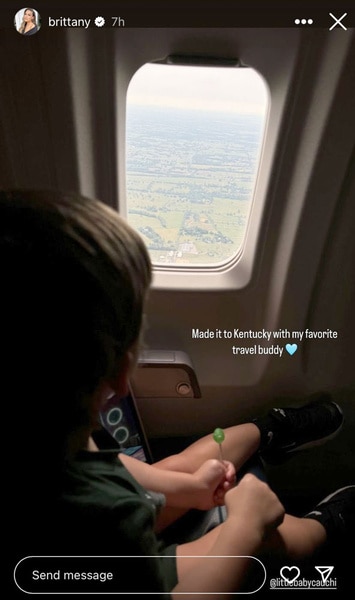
{"type": "Point", "coordinates": [253, 509]}
{"type": "Point", "coordinates": [203, 489]}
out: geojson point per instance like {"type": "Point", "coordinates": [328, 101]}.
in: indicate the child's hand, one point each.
{"type": "Point", "coordinates": [252, 501]}
{"type": "Point", "coordinates": [215, 478]}
{"type": "Point", "coordinates": [227, 484]}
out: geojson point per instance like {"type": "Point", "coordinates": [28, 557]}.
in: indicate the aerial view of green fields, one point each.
{"type": "Point", "coordinates": [190, 181]}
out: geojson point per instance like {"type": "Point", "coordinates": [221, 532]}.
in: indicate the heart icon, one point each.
{"type": "Point", "coordinates": [290, 574]}
{"type": "Point", "coordinates": [291, 348]}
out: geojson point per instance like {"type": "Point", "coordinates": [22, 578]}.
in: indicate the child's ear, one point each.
{"type": "Point", "coordinates": [119, 382]}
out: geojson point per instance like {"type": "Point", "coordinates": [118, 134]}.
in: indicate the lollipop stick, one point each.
{"type": "Point", "coordinates": [220, 452]}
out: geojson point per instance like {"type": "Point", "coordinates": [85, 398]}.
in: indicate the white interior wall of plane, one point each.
{"type": "Point", "coordinates": [62, 125]}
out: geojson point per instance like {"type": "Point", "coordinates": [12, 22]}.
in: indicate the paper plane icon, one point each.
{"type": "Point", "coordinates": [325, 572]}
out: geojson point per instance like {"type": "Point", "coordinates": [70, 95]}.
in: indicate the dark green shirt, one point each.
{"type": "Point", "coordinates": [105, 511]}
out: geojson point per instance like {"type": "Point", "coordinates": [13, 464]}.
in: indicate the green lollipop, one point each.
{"type": "Point", "coordinates": [218, 436]}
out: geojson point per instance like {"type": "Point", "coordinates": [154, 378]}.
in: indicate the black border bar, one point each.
{"type": "Point", "coordinates": [192, 13]}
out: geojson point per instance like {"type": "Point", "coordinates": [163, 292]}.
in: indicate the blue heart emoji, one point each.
{"type": "Point", "coordinates": [291, 348]}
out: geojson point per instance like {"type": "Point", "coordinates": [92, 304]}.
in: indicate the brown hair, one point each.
{"type": "Point", "coordinates": [75, 277]}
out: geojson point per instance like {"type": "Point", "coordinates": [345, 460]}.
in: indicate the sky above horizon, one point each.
{"type": "Point", "coordinates": [220, 89]}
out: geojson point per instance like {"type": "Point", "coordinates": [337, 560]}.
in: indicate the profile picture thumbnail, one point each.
{"type": "Point", "coordinates": [27, 21]}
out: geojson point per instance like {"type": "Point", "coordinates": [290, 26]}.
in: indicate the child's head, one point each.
{"type": "Point", "coordinates": [74, 281]}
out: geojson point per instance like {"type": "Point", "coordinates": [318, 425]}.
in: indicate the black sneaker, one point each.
{"type": "Point", "coordinates": [337, 513]}
{"type": "Point", "coordinates": [288, 430]}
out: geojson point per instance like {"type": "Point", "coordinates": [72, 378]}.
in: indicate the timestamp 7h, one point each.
{"type": "Point", "coordinates": [117, 22]}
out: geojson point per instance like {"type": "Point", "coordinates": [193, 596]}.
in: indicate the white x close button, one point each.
{"type": "Point", "coordinates": [338, 21]}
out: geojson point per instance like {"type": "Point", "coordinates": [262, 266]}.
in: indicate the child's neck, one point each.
{"type": "Point", "coordinates": [80, 440]}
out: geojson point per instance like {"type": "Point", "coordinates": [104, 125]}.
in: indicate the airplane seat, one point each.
{"type": "Point", "coordinates": [197, 522]}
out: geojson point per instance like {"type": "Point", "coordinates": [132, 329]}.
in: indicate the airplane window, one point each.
{"type": "Point", "coordinates": [193, 141]}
